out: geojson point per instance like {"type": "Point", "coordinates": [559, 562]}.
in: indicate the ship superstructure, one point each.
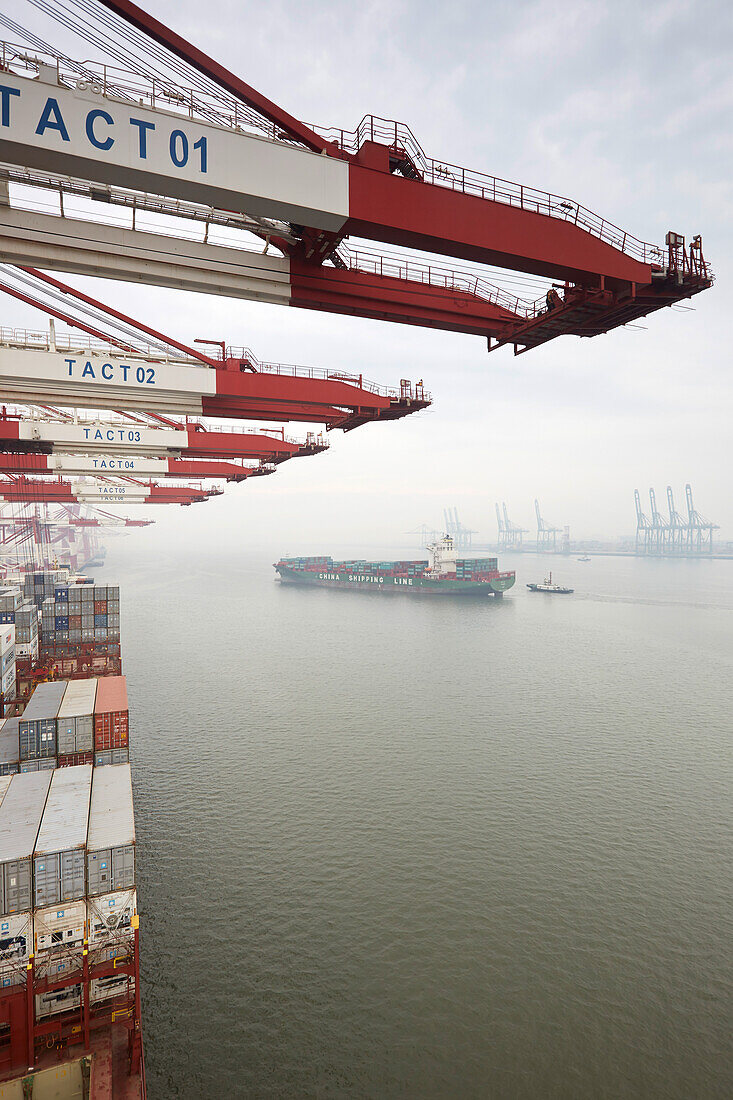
{"type": "Point", "coordinates": [444, 573]}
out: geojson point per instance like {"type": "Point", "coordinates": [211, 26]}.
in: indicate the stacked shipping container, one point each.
{"type": "Point", "coordinates": [75, 723]}
{"type": "Point", "coordinates": [68, 723]}
{"type": "Point", "coordinates": [21, 812]}
{"type": "Point", "coordinates": [67, 876]}
{"type": "Point", "coordinates": [39, 585]}
{"type": "Point", "coordinates": [81, 614]}
{"type": "Point", "coordinates": [37, 727]}
{"type": "Point", "coordinates": [7, 665]}
{"type": "Point", "coordinates": [9, 746]}
{"type": "Point", "coordinates": [111, 721]}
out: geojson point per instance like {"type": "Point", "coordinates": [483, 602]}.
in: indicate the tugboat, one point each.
{"type": "Point", "coordinates": [549, 586]}
{"type": "Point", "coordinates": [584, 558]}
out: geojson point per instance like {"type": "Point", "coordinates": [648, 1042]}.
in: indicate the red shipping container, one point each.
{"type": "Point", "coordinates": [100, 607]}
{"type": "Point", "coordinates": [74, 622]}
{"type": "Point", "coordinates": [111, 715]}
{"type": "Point", "coordinates": [69, 759]}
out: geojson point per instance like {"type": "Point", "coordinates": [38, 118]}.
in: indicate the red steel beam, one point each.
{"type": "Point", "coordinates": [200, 61]}
{"type": "Point", "coordinates": [39, 464]}
{"type": "Point", "coordinates": [201, 443]}
{"type": "Point", "coordinates": [410, 213]}
{"type": "Point", "coordinates": [61, 492]}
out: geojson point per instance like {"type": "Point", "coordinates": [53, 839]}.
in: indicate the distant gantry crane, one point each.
{"type": "Point", "coordinates": [462, 536]}
{"type": "Point", "coordinates": [661, 535]}
{"type": "Point", "coordinates": [546, 533]}
{"type": "Point", "coordinates": [510, 534]}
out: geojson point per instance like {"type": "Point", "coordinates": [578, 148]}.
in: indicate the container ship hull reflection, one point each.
{"type": "Point", "coordinates": [444, 574]}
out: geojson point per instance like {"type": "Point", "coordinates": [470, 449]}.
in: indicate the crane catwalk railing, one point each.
{"type": "Point", "coordinates": [221, 109]}
{"type": "Point", "coordinates": [441, 173]}
{"type": "Point", "coordinates": [373, 262]}
{"type": "Point", "coordinates": [26, 339]}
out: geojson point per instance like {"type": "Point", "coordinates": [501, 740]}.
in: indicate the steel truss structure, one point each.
{"type": "Point", "coordinates": [510, 534]}
{"type": "Point", "coordinates": [160, 128]}
{"type": "Point", "coordinates": [668, 535]}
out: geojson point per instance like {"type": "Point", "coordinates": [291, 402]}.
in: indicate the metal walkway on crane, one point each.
{"type": "Point", "coordinates": [182, 133]}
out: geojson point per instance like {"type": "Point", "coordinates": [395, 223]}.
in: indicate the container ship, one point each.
{"type": "Point", "coordinates": [70, 1002]}
{"type": "Point", "coordinates": [443, 574]}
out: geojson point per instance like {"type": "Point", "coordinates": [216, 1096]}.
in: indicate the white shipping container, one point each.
{"type": "Point", "coordinates": [75, 719]}
{"type": "Point", "coordinates": [59, 859]}
{"type": "Point", "coordinates": [110, 914]}
{"type": "Point", "coordinates": [7, 637]}
{"type": "Point", "coordinates": [110, 920]}
{"type": "Point", "coordinates": [9, 750]}
{"type": "Point", "coordinates": [28, 649]}
{"type": "Point", "coordinates": [62, 1000]}
{"type": "Point", "coordinates": [20, 817]}
{"type": "Point", "coordinates": [4, 779]}
{"type": "Point", "coordinates": [16, 942]}
{"type": "Point", "coordinates": [111, 837]}
{"type": "Point", "coordinates": [60, 927]}
{"type": "Point", "coordinates": [118, 986]}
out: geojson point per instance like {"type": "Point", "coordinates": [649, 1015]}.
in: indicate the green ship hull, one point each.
{"type": "Point", "coordinates": [414, 586]}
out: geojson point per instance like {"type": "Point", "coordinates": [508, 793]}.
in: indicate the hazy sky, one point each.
{"type": "Point", "coordinates": [624, 107]}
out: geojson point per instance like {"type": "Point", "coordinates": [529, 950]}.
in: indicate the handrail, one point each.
{"type": "Point", "coordinates": [219, 108]}
{"type": "Point", "coordinates": [224, 110]}
{"type": "Point", "coordinates": [374, 262]}
{"type": "Point", "coordinates": [401, 140]}
{"type": "Point", "coordinates": [41, 341]}
{"type": "Point", "coordinates": [247, 356]}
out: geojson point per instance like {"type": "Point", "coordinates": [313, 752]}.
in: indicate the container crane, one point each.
{"type": "Point", "coordinates": [90, 466]}
{"type": "Point", "coordinates": [699, 530]}
{"type": "Point", "coordinates": [546, 533]}
{"type": "Point", "coordinates": [108, 491]}
{"type": "Point", "coordinates": [172, 377]}
{"type": "Point", "coordinates": [643, 527]}
{"type": "Point", "coordinates": [510, 534]}
{"type": "Point", "coordinates": [214, 149]}
{"type": "Point", "coordinates": [660, 525]}
{"type": "Point", "coordinates": [462, 536]}
{"type": "Point", "coordinates": [677, 526]}
{"type": "Point", "coordinates": [37, 432]}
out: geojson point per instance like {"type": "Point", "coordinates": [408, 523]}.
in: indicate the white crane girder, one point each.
{"type": "Point", "coordinates": [111, 492]}
{"type": "Point", "coordinates": [94, 380]}
{"type": "Point", "coordinates": [83, 247]}
{"type": "Point", "coordinates": [83, 132]}
{"type": "Point", "coordinates": [106, 465]}
{"type": "Point", "coordinates": [100, 437]}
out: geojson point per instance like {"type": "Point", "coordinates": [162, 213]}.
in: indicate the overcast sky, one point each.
{"type": "Point", "coordinates": [624, 107]}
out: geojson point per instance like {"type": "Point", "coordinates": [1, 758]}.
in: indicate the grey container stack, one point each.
{"type": "Point", "coordinates": [20, 818]}
{"type": "Point", "coordinates": [75, 720]}
{"type": "Point", "coordinates": [59, 862]}
{"type": "Point", "coordinates": [111, 838]}
{"type": "Point", "coordinates": [38, 722]}
{"type": "Point", "coordinates": [9, 746]}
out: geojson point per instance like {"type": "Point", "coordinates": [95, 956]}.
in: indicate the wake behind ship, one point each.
{"type": "Point", "coordinates": [443, 574]}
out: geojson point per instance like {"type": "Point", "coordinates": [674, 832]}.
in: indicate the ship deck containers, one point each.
{"type": "Point", "coordinates": [7, 664]}
{"type": "Point", "coordinates": [4, 784]}
{"type": "Point", "coordinates": [9, 762]}
{"type": "Point", "coordinates": [59, 860]}
{"type": "Point", "coordinates": [111, 838]}
{"type": "Point", "coordinates": [111, 715]}
{"type": "Point", "coordinates": [20, 818]}
{"type": "Point", "coordinates": [75, 720]}
{"type": "Point", "coordinates": [38, 722]}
